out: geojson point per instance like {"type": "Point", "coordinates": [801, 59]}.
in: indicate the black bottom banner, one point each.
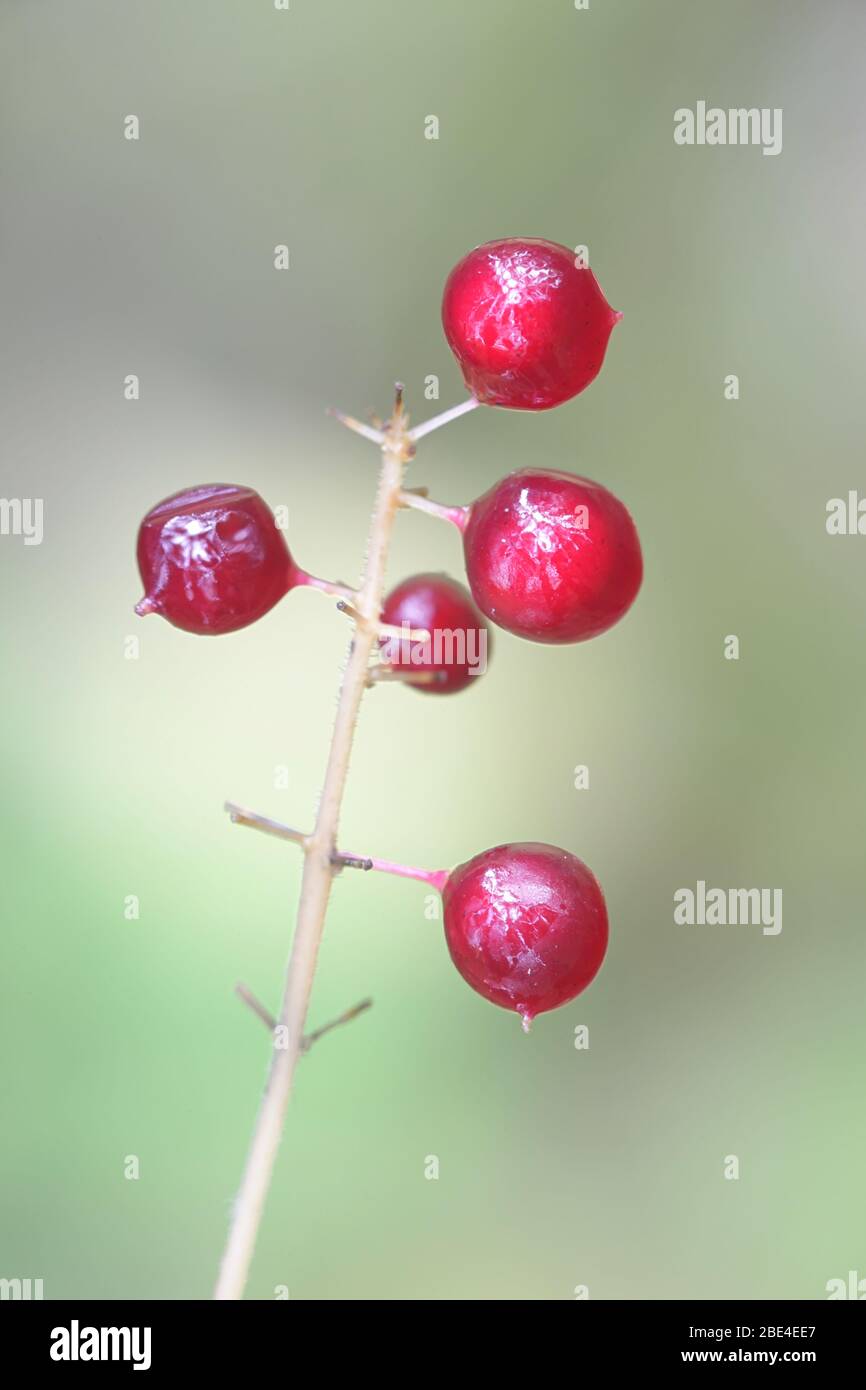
{"type": "Point", "coordinates": [262, 1339]}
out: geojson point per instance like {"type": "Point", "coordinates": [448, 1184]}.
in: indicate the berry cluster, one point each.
{"type": "Point", "coordinates": [549, 556]}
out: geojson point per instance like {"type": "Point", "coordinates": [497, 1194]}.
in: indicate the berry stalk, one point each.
{"type": "Point", "coordinates": [434, 878]}
{"type": "Point", "coordinates": [458, 516]}
{"type": "Point", "coordinates": [318, 876]}
{"type": "Point", "coordinates": [444, 418]}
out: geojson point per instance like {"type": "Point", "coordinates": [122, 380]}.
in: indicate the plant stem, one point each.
{"type": "Point", "coordinates": [318, 872]}
{"type": "Point", "coordinates": [458, 516]}
{"type": "Point", "coordinates": [366, 431]}
{"type": "Point", "coordinates": [346, 1017]}
{"type": "Point", "coordinates": [271, 1024]}
{"type": "Point", "coordinates": [257, 1007]}
{"type": "Point", "coordinates": [383, 672]}
{"type": "Point", "coordinates": [325, 586]}
{"type": "Point", "coordinates": [444, 418]}
{"type": "Point", "coordinates": [241, 816]}
{"type": "Point", "coordinates": [436, 878]}
{"type": "Point", "coordinates": [405, 633]}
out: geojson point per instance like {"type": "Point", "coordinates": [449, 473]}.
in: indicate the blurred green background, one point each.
{"type": "Point", "coordinates": [558, 1167]}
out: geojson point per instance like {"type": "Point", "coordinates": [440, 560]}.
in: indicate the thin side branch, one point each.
{"type": "Point", "coordinates": [240, 816]}
{"type": "Point", "coordinates": [256, 1005]}
{"type": "Point", "coordinates": [437, 421]}
{"type": "Point", "coordinates": [436, 878]}
{"type": "Point", "coordinates": [338, 859]}
{"type": "Point", "coordinates": [384, 673]}
{"type": "Point", "coordinates": [420, 502]}
{"type": "Point", "coordinates": [407, 634]}
{"type": "Point", "coordinates": [328, 586]}
{"type": "Point", "coordinates": [338, 1022]}
{"type": "Point", "coordinates": [366, 431]}
{"type": "Point", "coordinates": [271, 1024]}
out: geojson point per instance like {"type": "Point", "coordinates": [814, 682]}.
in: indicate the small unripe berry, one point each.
{"type": "Point", "coordinates": [459, 644]}
{"type": "Point", "coordinates": [526, 926]}
{"type": "Point", "coordinates": [212, 559]}
{"type": "Point", "coordinates": [528, 327]}
{"type": "Point", "coordinates": [551, 556]}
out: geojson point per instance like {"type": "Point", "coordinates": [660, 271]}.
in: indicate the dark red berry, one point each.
{"type": "Point", "coordinates": [526, 926]}
{"type": "Point", "coordinates": [212, 559]}
{"type": "Point", "coordinates": [528, 326]}
{"type": "Point", "coordinates": [459, 646]}
{"type": "Point", "coordinates": [551, 556]}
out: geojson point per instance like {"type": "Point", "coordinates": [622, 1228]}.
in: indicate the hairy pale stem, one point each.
{"type": "Point", "coordinates": [321, 860]}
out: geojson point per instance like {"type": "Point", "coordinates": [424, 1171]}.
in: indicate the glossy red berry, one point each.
{"type": "Point", "coordinates": [212, 559]}
{"type": "Point", "coordinates": [526, 926]}
{"type": "Point", "coordinates": [528, 326]}
{"type": "Point", "coordinates": [551, 556]}
{"type": "Point", "coordinates": [459, 646]}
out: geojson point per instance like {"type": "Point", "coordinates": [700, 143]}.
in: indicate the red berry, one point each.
{"type": "Point", "coordinates": [551, 556]}
{"type": "Point", "coordinates": [212, 559]}
{"type": "Point", "coordinates": [526, 926]}
{"type": "Point", "coordinates": [528, 326]}
{"type": "Point", "coordinates": [459, 637]}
